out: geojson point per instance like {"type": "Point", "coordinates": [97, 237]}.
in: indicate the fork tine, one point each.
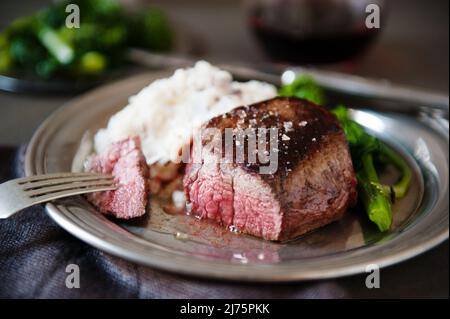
{"type": "Point", "coordinates": [61, 181]}
{"type": "Point", "coordinates": [72, 186]}
{"type": "Point", "coordinates": [37, 178]}
{"type": "Point", "coordinates": [72, 192]}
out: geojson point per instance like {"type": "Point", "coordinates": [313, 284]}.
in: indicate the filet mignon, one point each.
{"type": "Point", "coordinates": [314, 183]}
{"type": "Point", "coordinates": [125, 161]}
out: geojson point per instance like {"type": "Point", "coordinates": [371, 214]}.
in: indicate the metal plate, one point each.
{"type": "Point", "coordinates": [184, 245]}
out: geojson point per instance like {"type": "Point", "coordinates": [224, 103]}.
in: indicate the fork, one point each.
{"type": "Point", "coordinates": [21, 193]}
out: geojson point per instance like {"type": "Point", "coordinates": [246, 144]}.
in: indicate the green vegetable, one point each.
{"type": "Point", "coordinates": [401, 187]}
{"type": "Point", "coordinates": [366, 151]}
{"type": "Point", "coordinates": [92, 63]}
{"type": "Point", "coordinates": [114, 37]}
{"type": "Point", "coordinates": [151, 29]}
{"type": "Point", "coordinates": [5, 55]}
{"type": "Point", "coordinates": [61, 50]}
{"type": "Point", "coordinates": [26, 51]}
{"type": "Point", "coordinates": [360, 142]}
{"type": "Point", "coordinates": [5, 60]}
{"type": "Point", "coordinates": [376, 203]}
{"type": "Point", "coordinates": [47, 68]}
{"type": "Point", "coordinates": [363, 148]}
{"type": "Point", "coordinates": [42, 44]}
{"type": "Point", "coordinates": [304, 87]}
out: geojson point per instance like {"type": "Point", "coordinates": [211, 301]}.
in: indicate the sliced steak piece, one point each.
{"type": "Point", "coordinates": [314, 184]}
{"type": "Point", "coordinates": [125, 161]}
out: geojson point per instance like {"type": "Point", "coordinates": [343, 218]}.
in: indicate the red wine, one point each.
{"type": "Point", "coordinates": [314, 43]}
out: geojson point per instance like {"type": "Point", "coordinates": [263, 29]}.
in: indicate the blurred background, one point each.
{"type": "Point", "coordinates": [410, 48]}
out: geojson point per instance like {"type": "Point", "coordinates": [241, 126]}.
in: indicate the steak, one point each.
{"type": "Point", "coordinates": [314, 183]}
{"type": "Point", "coordinates": [125, 161]}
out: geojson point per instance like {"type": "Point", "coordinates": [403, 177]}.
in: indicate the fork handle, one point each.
{"type": "Point", "coordinates": [9, 206]}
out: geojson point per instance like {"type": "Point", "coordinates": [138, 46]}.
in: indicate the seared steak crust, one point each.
{"type": "Point", "coordinates": [313, 185]}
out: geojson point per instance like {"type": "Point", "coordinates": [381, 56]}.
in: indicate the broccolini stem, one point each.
{"type": "Point", "coordinates": [373, 196]}
{"type": "Point", "coordinates": [401, 187]}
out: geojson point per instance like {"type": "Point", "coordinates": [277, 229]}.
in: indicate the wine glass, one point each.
{"type": "Point", "coordinates": [315, 31]}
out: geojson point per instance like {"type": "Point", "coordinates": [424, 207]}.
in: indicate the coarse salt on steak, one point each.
{"type": "Point", "coordinates": [314, 184]}
{"type": "Point", "coordinates": [125, 161]}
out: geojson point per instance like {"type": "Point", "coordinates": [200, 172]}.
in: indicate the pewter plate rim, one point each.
{"type": "Point", "coordinates": [118, 244]}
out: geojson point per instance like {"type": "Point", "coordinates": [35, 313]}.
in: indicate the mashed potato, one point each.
{"type": "Point", "coordinates": [165, 113]}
